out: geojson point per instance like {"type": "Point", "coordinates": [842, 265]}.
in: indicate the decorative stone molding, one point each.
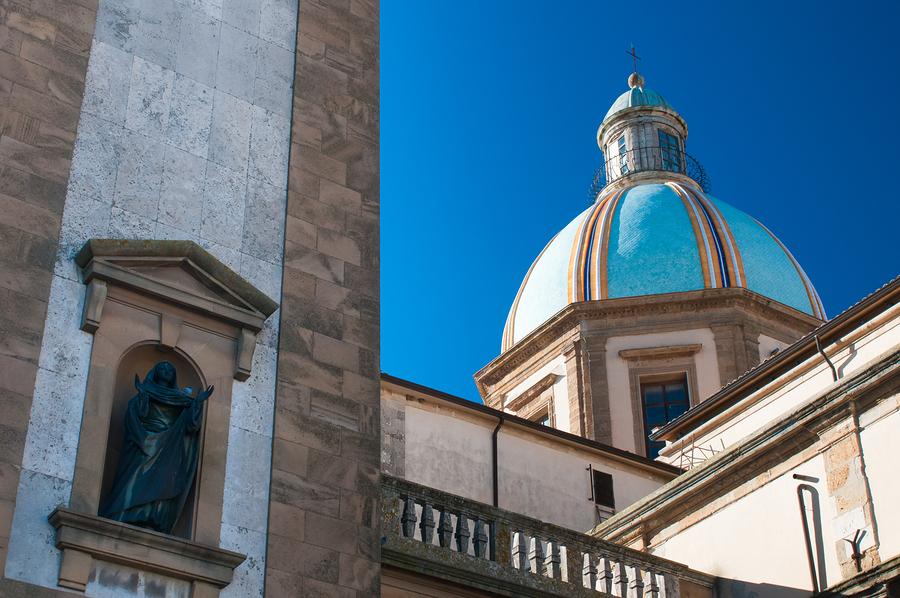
{"type": "Point", "coordinates": [82, 537]}
{"type": "Point", "coordinates": [620, 315]}
{"type": "Point", "coordinates": [178, 272]}
{"type": "Point", "coordinates": [647, 365]}
{"type": "Point", "coordinates": [659, 352]}
{"type": "Point", "coordinates": [532, 393]}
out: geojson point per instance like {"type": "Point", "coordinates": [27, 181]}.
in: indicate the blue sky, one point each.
{"type": "Point", "coordinates": [489, 112]}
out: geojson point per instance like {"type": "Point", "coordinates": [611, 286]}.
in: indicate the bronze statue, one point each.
{"type": "Point", "coordinates": [159, 453]}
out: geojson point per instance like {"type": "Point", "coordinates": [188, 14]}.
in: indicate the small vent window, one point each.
{"type": "Point", "coordinates": [603, 489]}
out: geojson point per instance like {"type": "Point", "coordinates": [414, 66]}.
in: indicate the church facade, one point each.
{"type": "Point", "coordinates": [189, 367]}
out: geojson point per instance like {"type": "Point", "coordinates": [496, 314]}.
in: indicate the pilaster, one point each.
{"type": "Point", "coordinates": [848, 486]}
{"type": "Point", "coordinates": [578, 386]}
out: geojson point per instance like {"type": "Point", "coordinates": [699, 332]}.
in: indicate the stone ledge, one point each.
{"type": "Point", "coordinates": [83, 537]}
{"type": "Point", "coordinates": [659, 352]}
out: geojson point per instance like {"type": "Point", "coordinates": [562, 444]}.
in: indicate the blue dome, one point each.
{"type": "Point", "coordinates": [637, 96]}
{"type": "Point", "coordinates": [656, 238]}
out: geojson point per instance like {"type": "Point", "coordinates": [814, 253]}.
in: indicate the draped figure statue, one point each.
{"type": "Point", "coordinates": [160, 451]}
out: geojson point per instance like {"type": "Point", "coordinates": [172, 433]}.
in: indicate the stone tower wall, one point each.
{"type": "Point", "coordinates": [324, 513]}
{"type": "Point", "coordinates": [211, 121]}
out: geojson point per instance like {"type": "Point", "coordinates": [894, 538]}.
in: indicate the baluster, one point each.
{"type": "Point", "coordinates": [427, 523]}
{"type": "Point", "coordinates": [589, 576]}
{"type": "Point", "coordinates": [573, 565]}
{"type": "Point", "coordinates": [552, 562]}
{"type": "Point", "coordinates": [481, 538]}
{"type": "Point", "coordinates": [520, 552]}
{"type": "Point", "coordinates": [620, 580]}
{"type": "Point", "coordinates": [445, 529]}
{"type": "Point", "coordinates": [408, 519]}
{"type": "Point", "coordinates": [462, 534]}
{"type": "Point", "coordinates": [536, 556]}
{"type": "Point", "coordinates": [605, 576]}
{"type": "Point", "coordinates": [636, 583]}
{"type": "Point", "coordinates": [652, 587]}
{"type": "Point", "coordinates": [668, 586]}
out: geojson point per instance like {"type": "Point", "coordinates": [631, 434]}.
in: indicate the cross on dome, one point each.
{"type": "Point", "coordinates": [635, 80]}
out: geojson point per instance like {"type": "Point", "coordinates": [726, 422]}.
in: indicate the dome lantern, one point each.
{"type": "Point", "coordinates": [642, 139]}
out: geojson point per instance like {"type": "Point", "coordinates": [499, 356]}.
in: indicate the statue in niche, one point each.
{"type": "Point", "coordinates": [159, 453]}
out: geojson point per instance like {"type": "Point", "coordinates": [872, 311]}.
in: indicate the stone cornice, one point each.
{"type": "Point", "coordinates": [729, 469]}
{"type": "Point", "coordinates": [214, 290]}
{"type": "Point", "coordinates": [880, 581]}
{"type": "Point", "coordinates": [635, 309]}
{"type": "Point", "coordinates": [630, 113]}
{"type": "Point", "coordinates": [126, 254]}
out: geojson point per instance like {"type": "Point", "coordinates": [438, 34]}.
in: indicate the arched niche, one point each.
{"type": "Point", "coordinates": [147, 301]}
{"type": "Point", "coordinates": [138, 361]}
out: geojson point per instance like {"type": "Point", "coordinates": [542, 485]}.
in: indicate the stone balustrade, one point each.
{"type": "Point", "coordinates": [446, 536]}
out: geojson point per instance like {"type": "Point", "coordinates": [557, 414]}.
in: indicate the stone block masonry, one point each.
{"type": "Point", "coordinates": [44, 48]}
{"type": "Point", "coordinates": [183, 133]}
{"type": "Point", "coordinates": [324, 510]}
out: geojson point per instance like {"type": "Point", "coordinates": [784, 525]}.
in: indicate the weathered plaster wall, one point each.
{"type": "Point", "coordinates": [183, 134]}
{"type": "Point", "coordinates": [450, 449]}
{"type": "Point", "coordinates": [860, 348]}
{"type": "Point", "coordinates": [619, 381]}
{"type": "Point", "coordinates": [549, 481]}
{"type": "Point", "coordinates": [767, 526]}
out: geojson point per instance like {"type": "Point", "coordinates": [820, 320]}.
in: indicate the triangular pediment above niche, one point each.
{"type": "Point", "coordinates": [177, 271]}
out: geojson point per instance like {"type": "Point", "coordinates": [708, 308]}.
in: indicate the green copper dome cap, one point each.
{"type": "Point", "coordinates": [637, 95]}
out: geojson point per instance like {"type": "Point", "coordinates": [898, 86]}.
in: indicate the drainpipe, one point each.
{"type": "Point", "coordinates": [834, 373]}
{"type": "Point", "coordinates": [496, 465]}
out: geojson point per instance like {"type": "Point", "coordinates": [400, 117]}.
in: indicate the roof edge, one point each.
{"type": "Point", "coordinates": [804, 348]}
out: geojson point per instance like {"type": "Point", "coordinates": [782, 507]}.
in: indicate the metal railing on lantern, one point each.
{"type": "Point", "coordinates": [441, 535]}
{"type": "Point", "coordinates": [648, 159]}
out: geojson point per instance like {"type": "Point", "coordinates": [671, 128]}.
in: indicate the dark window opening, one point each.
{"type": "Point", "coordinates": [662, 402]}
{"type": "Point", "coordinates": [603, 489]}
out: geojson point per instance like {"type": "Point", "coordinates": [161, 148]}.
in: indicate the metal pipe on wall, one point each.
{"type": "Point", "coordinates": [496, 465]}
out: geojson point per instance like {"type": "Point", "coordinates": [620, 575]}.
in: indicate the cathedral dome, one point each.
{"type": "Point", "coordinates": [656, 238]}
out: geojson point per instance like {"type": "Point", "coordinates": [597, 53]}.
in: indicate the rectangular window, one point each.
{"type": "Point", "coordinates": [669, 151]}
{"type": "Point", "coordinates": [543, 419]}
{"type": "Point", "coordinates": [662, 402]}
{"type": "Point", "coordinates": [603, 489]}
{"type": "Point", "coordinates": [623, 156]}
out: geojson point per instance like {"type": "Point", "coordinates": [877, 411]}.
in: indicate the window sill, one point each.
{"type": "Point", "coordinates": [83, 537]}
